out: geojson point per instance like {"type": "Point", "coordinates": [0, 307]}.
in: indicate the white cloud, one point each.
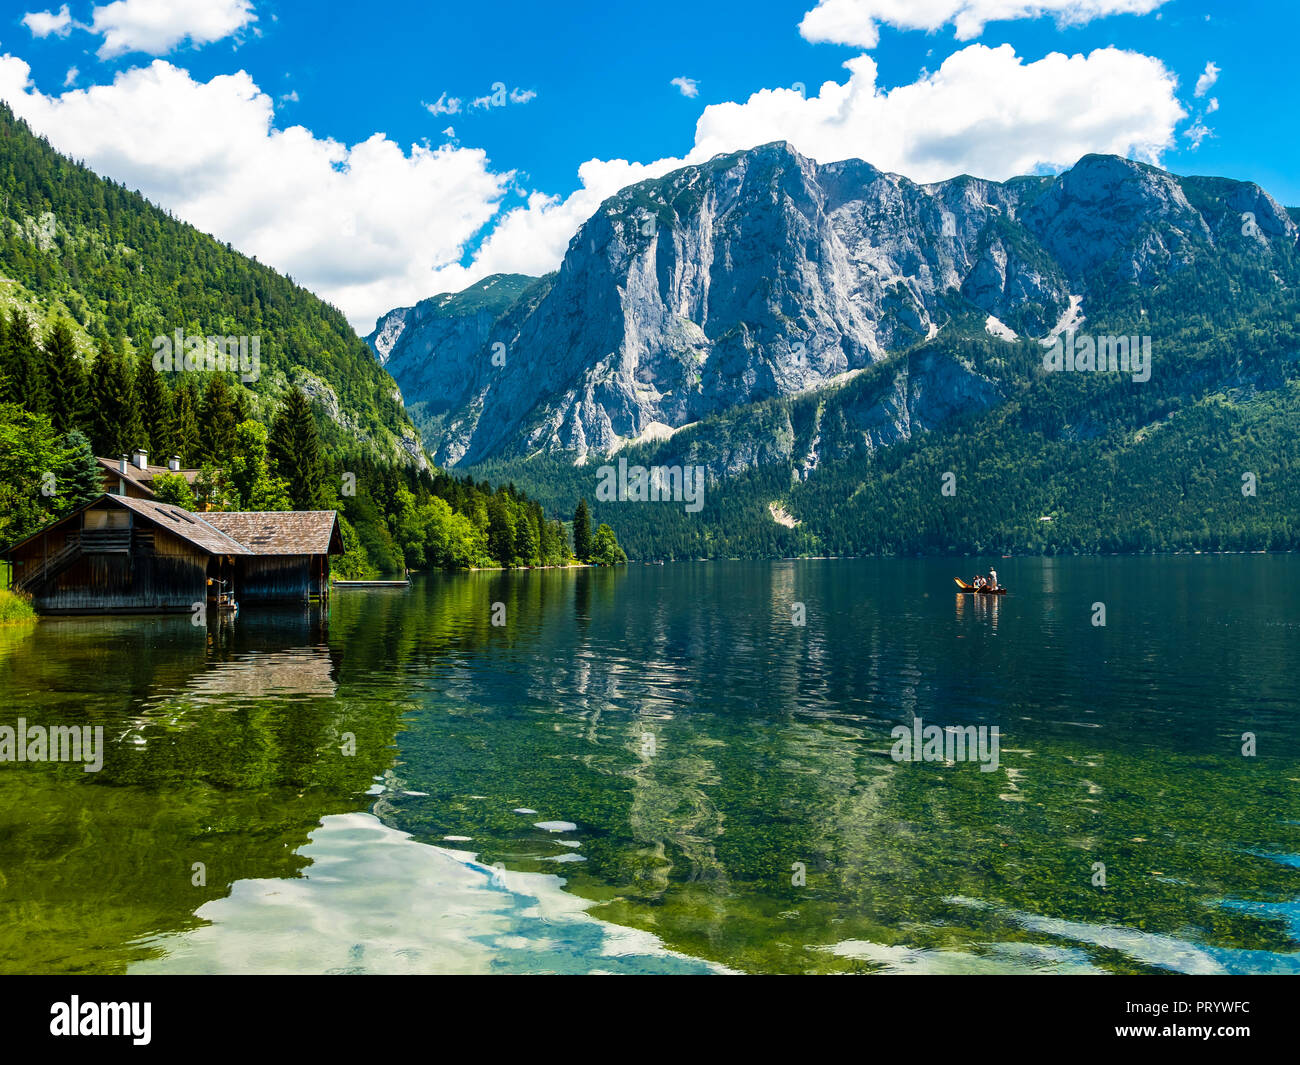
{"type": "Point", "coordinates": [985, 111]}
{"type": "Point", "coordinates": [688, 87]}
{"type": "Point", "coordinates": [522, 96]}
{"type": "Point", "coordinates": [44, 23]}
{"type": "Point", "coordinates": [365, 226]}
{"type": "Point", "coordinates": [371, 226]}
{"type": "Point", "coordinates": [858, 22]}
{"type": "Point", "coordinates": [1207, 79]}
{"type": "Point", "coordinates": [157, 26]}
{"type": "Point", "coordinates": [70, 78]}
{"type": "Point", "coordinates": [1212, 106]}
{"type": "Point", "coordinates": [1196, 133]}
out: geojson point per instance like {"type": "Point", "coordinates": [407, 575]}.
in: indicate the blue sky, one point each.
{"type": "Point", "coordinates": [252, 132]}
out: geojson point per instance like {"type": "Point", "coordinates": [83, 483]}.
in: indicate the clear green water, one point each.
{"type": "Point", "coordinates": [700, 745]}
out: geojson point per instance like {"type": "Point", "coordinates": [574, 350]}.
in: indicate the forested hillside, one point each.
{"type": "Point", "coordinates": [93, 274]}
{"type": "Point", "coordinates": [1203, 456]}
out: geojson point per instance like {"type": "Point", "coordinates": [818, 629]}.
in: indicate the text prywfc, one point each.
{"type": "Point", "coordinates": [58, 743]}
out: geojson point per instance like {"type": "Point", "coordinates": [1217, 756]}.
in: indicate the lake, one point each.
{"type": "Point", "coordinates": [657, 769]}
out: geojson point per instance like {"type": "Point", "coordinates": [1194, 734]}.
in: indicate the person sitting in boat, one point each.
{"type": "Point", "coordinates": [993, 577]}
{"type": "Point", "coordinates": [979, 583]}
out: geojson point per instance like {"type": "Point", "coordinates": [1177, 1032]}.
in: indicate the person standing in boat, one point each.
{"type": "Point", "coordinates": [993, 577]}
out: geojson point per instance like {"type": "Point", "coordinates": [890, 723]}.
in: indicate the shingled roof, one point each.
{"type": "Point", "coordinates": [180, 522]}
{"type": "Point", "coordinates": [289, 532]}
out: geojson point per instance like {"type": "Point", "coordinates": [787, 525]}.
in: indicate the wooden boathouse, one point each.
{"type": "Point", "coordinates": [121, 554]}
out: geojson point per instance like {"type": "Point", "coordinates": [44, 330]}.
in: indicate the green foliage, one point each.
{"type": "Point", "coordinates": [173, 488]}
{"type": "Point", "coordinates": [79, 478]}
{"type": "Point", "coordinates": [31, 454]}
{"type": "Point", "coordinates": [14, 608]}
{"type": "Point", "coordinates": [582, 531]}
{"type": "Point", "coordinates": [604, 548]}
{"type": "Point", "coordinates": [131, 275]}
{"type": "Point", "coordinates": [65, 381]}
{"type": "Point", "coordinates": [250, 476]}
{"type": "Point", "coordinates": [295, 451]}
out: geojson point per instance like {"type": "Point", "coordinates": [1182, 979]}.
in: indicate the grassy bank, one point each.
{"type": "Point", "coordinates": [14, 608]}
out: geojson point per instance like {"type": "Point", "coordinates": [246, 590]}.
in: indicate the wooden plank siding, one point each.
{"type": "Point", "coordinates": [274, 579]}
{"type": "Point", "coordinates": [156, 573]}
{"type": "Point", "coordinates": [125, 555]}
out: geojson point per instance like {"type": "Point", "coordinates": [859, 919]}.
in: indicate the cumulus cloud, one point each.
{"type": "Point", "coordinates": [858, 22]}
{"type": "Point", "coordinates": [688, 87]}
{"type": "Point", "coordinates": [1207, 79]}
{"type": "Point", "coordinates": [374, 225]}
{"type": "Point", "coordinates": [985, 111]}
{"type": "Point", "coordinates": [365, 226]}
{"type": "Point", "coordinates": [155, 27]}
{"type": "Point", "coordinates": [45, 23]}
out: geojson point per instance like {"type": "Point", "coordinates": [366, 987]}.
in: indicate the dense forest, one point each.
{"type": "Point", "coordinates": [1204, 456]}
{"type": "Point", "coordinates": [93, 274]}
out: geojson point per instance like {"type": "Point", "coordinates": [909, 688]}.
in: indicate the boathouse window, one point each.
{"type": "Point", "coordinates": [93, 520]}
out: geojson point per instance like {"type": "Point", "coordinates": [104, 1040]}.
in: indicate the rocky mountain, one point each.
{"type": "Point", "coordinates": [762, 275]}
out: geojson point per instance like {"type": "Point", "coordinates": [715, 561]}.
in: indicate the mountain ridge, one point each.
{"type": "Point", "coordinates": [763, 274]}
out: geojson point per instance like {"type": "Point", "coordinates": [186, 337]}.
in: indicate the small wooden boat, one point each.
{"type": "Point", "coordinates": [371, 584]}
{"type": "Point", "coordinates": [962, 586]}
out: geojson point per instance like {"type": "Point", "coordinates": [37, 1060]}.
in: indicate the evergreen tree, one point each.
{"type": "Point", "coordinates": [500, 532]}
{"type": "Point", "coordinates": [65, 378]}
{"type": "Point", "coordinates": [527, 540]}
{"type": "Point", "coordinates": [582, 532]}
{"type": "Point", "coordinates": [155, 409]}
{"type": "Point", "coordinates": [115, 423]}
{"type": "Point", "coordinates": [24, 365]}
{"type": "Point", "coordinates": [185, 425]}
{"type": "Point", "coordinates": [217, 422]}
{"type": "Point", "coordinates": [295, 451]}
{"type": "Point", "coordinates": [79, 478]}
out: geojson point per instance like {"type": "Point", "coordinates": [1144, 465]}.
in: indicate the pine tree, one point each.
{"type": "Point", "coordinates": [65, 378]}
{"type": "Point", "coordinates": [295, 451]}
{"type": "Point", "coordinates": [582, 532]}
{"type": "Point", "coordinates": [500, 531]}
{"type": "Point", "coordinates": [24, 364]}
{"type": "Point", "coordinates": [114, 416]}
{"type": "Point", "coordinates": [155, 409]}
{"type": "Point", "coordinates": [527, 540]}
{"type": "Point", "coordinates": [217, 422]}
{"type": "Point", "coordinates": [80, 479]}
{"type": "Point", "coordinates": [185, 425]}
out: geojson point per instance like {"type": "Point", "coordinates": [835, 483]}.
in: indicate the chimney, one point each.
{"type": "Point", "coordinates": [174, 464]}
{"type": "Point", "coordinates": [141, 458]}
{"type": "Point", "coordinates": [123, 463]}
